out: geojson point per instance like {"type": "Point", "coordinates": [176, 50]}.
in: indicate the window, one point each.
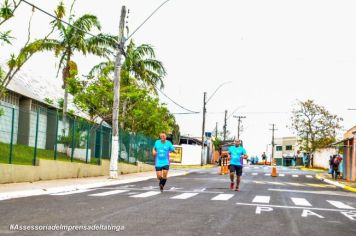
{"type": "Point", "coordinates": [11, 98]}
{"type": "Point", "coordinates": [289, 147]}
{"type": "Point", "coordinates": [278, 148]}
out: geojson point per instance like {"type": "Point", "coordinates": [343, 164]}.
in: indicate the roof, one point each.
{"type": "Point", "coordinates": [39, 88]}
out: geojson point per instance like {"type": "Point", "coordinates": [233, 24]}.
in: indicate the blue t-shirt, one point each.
{"type": "Point", "coordinates": [236, 155]}
{"type": "Point", "coordinates": [163, 150]}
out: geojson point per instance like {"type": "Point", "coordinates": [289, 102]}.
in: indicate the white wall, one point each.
{"type": "Point", "coordinates": [322, 157]}
{"type": "Point", "coordinates": [191, 154]}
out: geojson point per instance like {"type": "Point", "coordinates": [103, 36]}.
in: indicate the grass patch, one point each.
{"type": "Point", "coordinates": [23, 155]}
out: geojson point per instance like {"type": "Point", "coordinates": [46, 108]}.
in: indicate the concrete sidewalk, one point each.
{"type": "Point", "coordinates": [16, 190]}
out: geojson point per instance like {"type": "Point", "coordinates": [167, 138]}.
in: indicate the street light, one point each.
{"type": "Point", "coordinates": [204, 112]}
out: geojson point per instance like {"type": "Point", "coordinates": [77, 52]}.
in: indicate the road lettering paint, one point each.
{"type": "Point", "coordinates": [108, 193]}
{"type": "Point", "coordinates": [254, 173]}
{"type": "Point", "coordinates": [300, 201]}
{"type": "Point", "coordinates": [261, 199]}
{"type": "Point", "coordinates": [307, 213]}
{"type": "Point", "coordinates": [295, 176]}
{"type": "Point", "coordinates": [344, 194]}
{"type": "Point", "coordinates": [350, 214]}
{"type": "Point", "coordinates": [309, 176]}
{"type": "Point", "coordinates": [258, 182]}
{"type": "Point", "coordinates": [340, 205]}
{"type": "Point", "coordinates": [146, 194]}
{"type": "Point", "coordinates": [222, 197]}
{"type": "Point", "coordinates": [184, 196]}
{"type": "Point", "coordinates": [72, 192]}
{"type": "Point", "coordinates": [290, 207]}
{"type": "Point", "coordinates": [267, 174]}
{"type": "Point", "coordinates": [259, 209]}
{"type": "Point", "coordinates": [281, 175]}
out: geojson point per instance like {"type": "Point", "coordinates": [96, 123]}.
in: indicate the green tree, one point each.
{"type": "Point", "coordinates": [74, 39]}
{"type": "Point", "coordinates": [140, 67]}
{"type": "Point", "coordinates": [314, 125]}
{"type": "Point", "coordinates": [16, 61]}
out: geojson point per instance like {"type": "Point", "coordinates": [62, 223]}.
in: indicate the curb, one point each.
{"type": "Point", "coordinates": [52, 190]}
{"type": "Point", "coordinates": [312, 169]}
{"type": "Point", "coordinates": [337, 184]}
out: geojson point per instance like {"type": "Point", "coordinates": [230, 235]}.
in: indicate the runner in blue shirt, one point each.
{"type": "Point", "coordinates": [236, 155]}
{"type": "Point", "coordinates": [161, 152]}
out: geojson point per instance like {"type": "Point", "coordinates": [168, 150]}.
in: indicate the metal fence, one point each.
{"type": "Point", "coordinates": [33, 132]}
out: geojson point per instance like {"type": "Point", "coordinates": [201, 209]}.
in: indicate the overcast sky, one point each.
{"type": "Point", "coordinates": [274, 52]}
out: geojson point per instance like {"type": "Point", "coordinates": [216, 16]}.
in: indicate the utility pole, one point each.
{"type": "Point", "coordinates": [225, 125]}
{"type": "Point", "coordinates": [203, 131]}
{"type": "Point", "coordinates": [238, 124]}
{"type": "Point", "coordinates": [216, 130]}
{"type": "Point", "coordinates": [115, 115]}
{"type": "Point", "coordinates": [273, 129]}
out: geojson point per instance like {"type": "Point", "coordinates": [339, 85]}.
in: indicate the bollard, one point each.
{"type": "Point", "coordinates": [274, 169]}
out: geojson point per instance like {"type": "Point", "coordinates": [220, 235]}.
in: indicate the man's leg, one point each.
{"type": "Point", "coordinates": [164, 177]}
{"type": "Point", "coordinates": [238, 177]}
{"type": "Point", "coordinates": [232, 170]}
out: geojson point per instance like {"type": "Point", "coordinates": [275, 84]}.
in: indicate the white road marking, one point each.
{"type": "Point", "coordinates": [108, 193]}
{"type": "Point", "coordinates": [300, 201]}
{"type": "Point", "coordinates": [261, 199]}
{"type": "Point", "coordinates": [259, 209]}
{"type": "Point", "coordinates": [275, 183]}
{"type": "Point", "coordinates": [281, 175]}
{"type": "Point", "coordinates": [184, 196]}
{"type": "Point", "coordinates": [267, 174]}
{"type": "Point", "coordinates": [309, 176]}
{"type": "Point", "coordinates": [72, 192]}
{"type": "Point", "coordinates": [345, 194]}
{"type": "Point", "coordinates": [340, 205]}
{"type": "Point", "coordinates": [222, 197]}
{"type": "Point", "coordinates": [295, 176]}
{"type": "Point", "coordinates": [254, 173]}
{"type": "Point", "coordinates": [295, 184]}
{"type": "Point", "coordinates": [307, 213]}
{"type": "Point", "coordinates": [199, 190]}
{"type": "Point", "coordinates": [146, 194]}
{"type": "Point", "coordinates": [289, 207]}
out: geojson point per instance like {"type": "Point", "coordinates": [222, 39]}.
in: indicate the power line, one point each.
{"type": "Point", "coordinates": [146, 20]}
{"type": "Point", "coordinates": [193, 112]}
{"type": "Point", "coordinates": [55, 17]}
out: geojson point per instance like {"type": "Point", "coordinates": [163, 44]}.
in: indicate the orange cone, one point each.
{"type": "Point", "coordinates": [274, 169]}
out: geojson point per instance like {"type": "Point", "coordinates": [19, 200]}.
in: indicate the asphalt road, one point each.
{"type": "Point", "coordinates": [199, 203]}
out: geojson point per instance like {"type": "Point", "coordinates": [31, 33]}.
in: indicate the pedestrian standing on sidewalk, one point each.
{"type": "Point", "coordinates": [336, 163]}
{"type": "Point", "coordinates": [161, 151]}
{"type": "Point", "coordinates": [236, 155]}
{"type": "Point", "coordinates": [264, 157]}
{"type": "Point", "coordinates": [331, 163]}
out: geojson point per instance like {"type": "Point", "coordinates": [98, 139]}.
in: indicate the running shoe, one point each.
{"type": "Point", "coordinates": [161, 187]}
{"type": "Point", "coordinates": [237, 189]}
{"type": "Point", "coordinates": [232, 186]}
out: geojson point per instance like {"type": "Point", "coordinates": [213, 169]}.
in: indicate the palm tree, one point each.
{"type": "Point", "coordinates": [140, 67]}
{"type": "Point", "coordinates": [73, 39]}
